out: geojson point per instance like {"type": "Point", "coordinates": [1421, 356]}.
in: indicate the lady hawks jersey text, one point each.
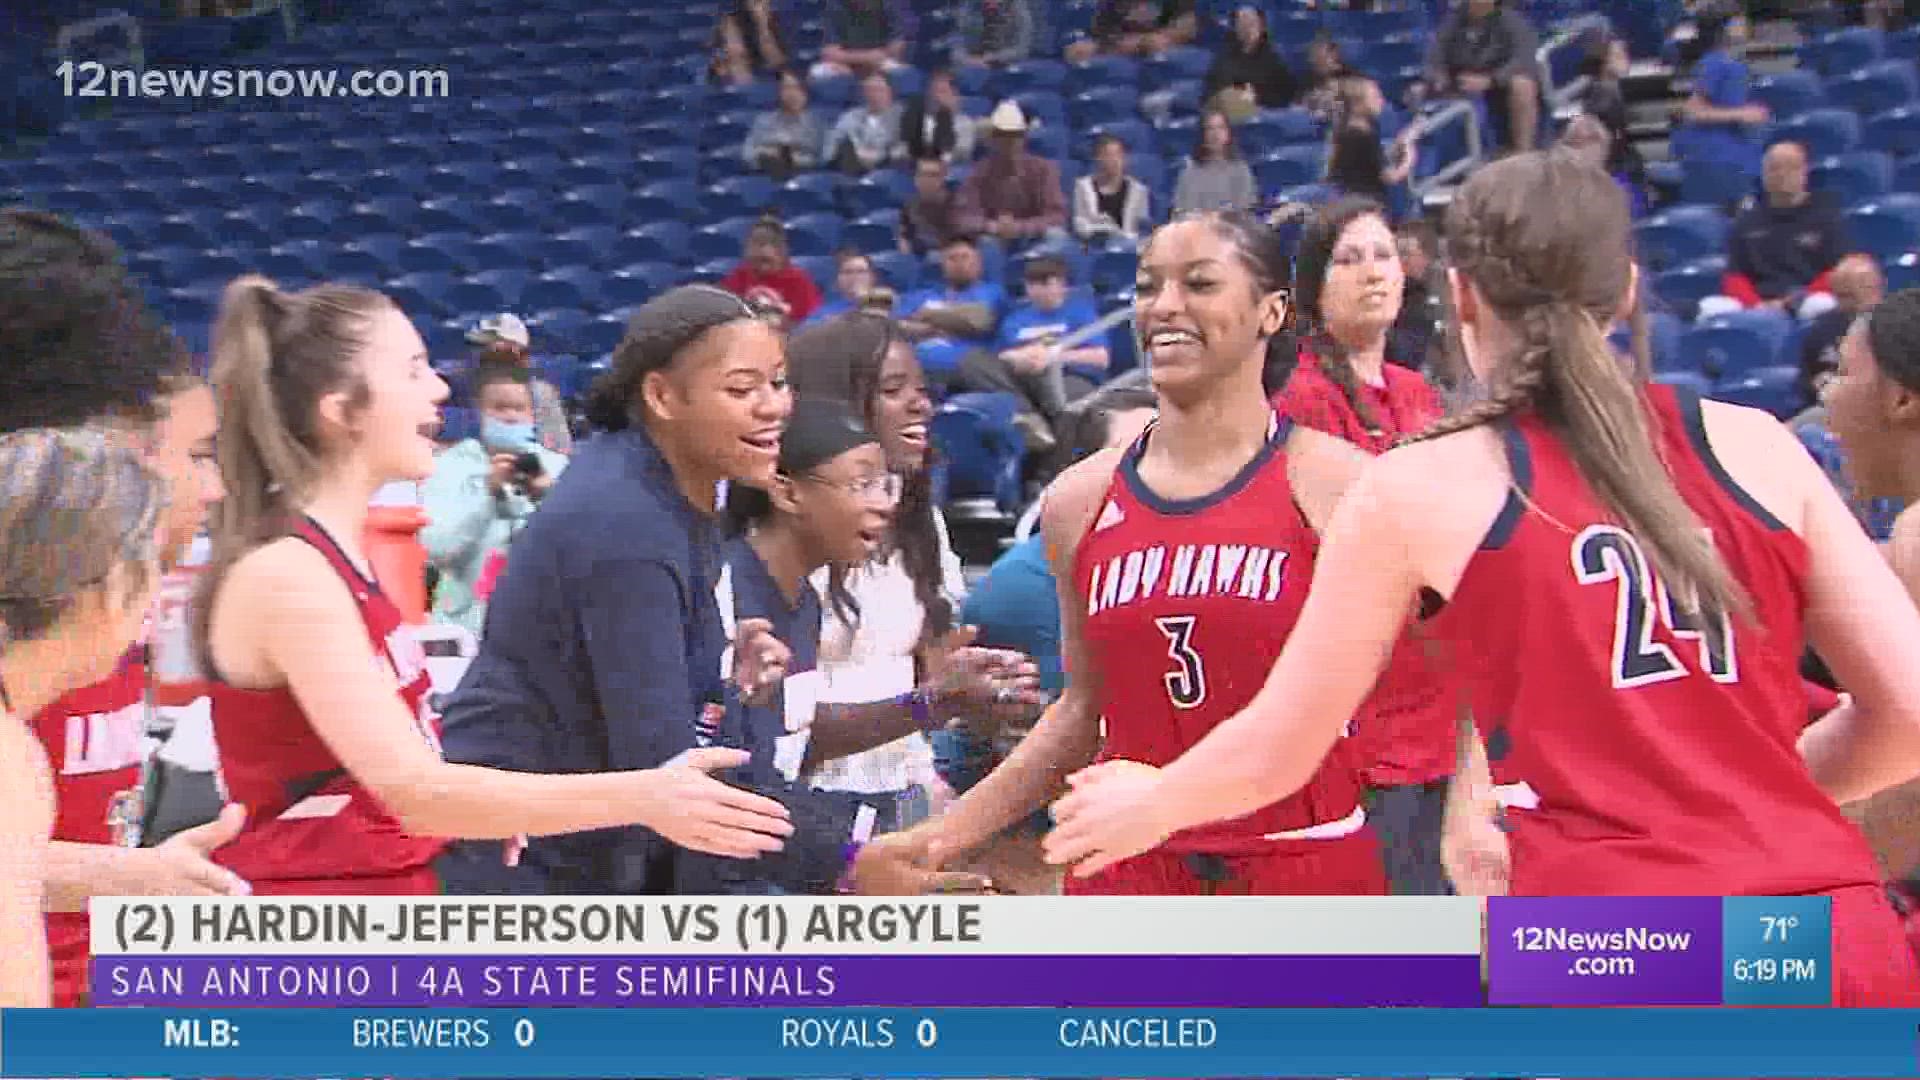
{"type": "Point", "coordinates": [1188, 605]}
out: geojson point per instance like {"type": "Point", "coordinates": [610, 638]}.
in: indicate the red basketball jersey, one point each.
{"type": "Point", "coordinates": [1405, 727]}
{"type": "Point", "coordinates": [1188, 606]}
{"type": "Point", "coordinates": [95, 738]}
{"type": "Point", "coordinates": [311, 827]}
{"type": "Point", "coordinates": [1633, 758]}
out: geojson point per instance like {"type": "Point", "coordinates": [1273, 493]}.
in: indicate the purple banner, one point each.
{"type": "Point", "coordinates": [1615, 950]}
{"type": "Point", "coordinates": [1253, 982]}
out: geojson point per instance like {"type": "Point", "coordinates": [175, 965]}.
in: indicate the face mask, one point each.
{"type": "Point", "coordinates": [500, 435]}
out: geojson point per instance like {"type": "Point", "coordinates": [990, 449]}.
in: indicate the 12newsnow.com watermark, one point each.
{"type": "Point", "coordinates": [91, 79]}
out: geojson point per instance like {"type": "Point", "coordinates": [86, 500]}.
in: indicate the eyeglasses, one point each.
{"type": "Point", "coordinates": [880, 489]}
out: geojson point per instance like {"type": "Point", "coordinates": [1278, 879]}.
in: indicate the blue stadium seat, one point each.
{"type": "Point", "coordinates": [1730, 345]}
{"type": "Point", "coordinates": [809, 193]}
{"type": "Point", "coordinates": [634, 283]}
{"type": "Point", "coordinates": [981, 447]}
{"type": "Point", "coordinates": [1787, 94]}
{"type": "Point", "coordinates": [741, 196]}
{"type": "Point", "coordinates": [1137, 136]}
{"type": "Point", "coordinates": [1824, 132]}
{"type": "Point", "coordinates": [1683, 287]}
{"type": "Point", "coordinates": [1184, 62]}
{"type": "Point", "coordinates": [1903, 273]}
{"type": "Point", "coordinates": [1887, 84]}
{"type": "Point", "coordinates": [667, 198]}
{"type": "Point", "coordinates": [896, 268]}
{"type": "Point", "coordinates": [1777, 389]}
{"type": "Point", "coordinates": [423, 293]}
{"type": "Point", "coordinates": [563, 330]}
{"type": "Point", "coordinates": [1290, 166]}
{"type": "Point", "coordinates": [1845, 50]}
{"type": "Point", "coordinates": [1887, 227]}
{"type": "Point", "coordinates": [1104, 105]}
{"type": "Point", "coordinates": [567, 288]}
{"type": "Point", "coordinates": [1114, 269]}
{"type": "Point", "coordinates": [869, 235]}
{"type": "Point", "coordinates": [813, 234]}
{"type": "Point", "coordinates": [1895, 132]}
{"type": "Point", "coordinates": [722, 240]}
{"type": "Point", "coordinates": [655, 241]}
{"type": "Point", "coordinates": [1018, 80]}
{"type": "Point", "coordinates": [1854, 177]}
{"type": "Point", "coordinates": [1680, 235]}
{"type": "Point", "coordinates": [1686, 380]}
{"type": "Point", "coordinates": [1906, 173]}
{"type": "Point", "coordinates": [818, 267]}
{"type": "Point", "coordinates": [882, 190]}
{"type": "Point", "coordinates": [1711, 183]}
{"type": "Point", "coordinates": [1103, 70]}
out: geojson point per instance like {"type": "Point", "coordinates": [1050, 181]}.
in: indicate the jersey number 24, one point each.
{"type": "Point", "coordinates": [1606, 553]}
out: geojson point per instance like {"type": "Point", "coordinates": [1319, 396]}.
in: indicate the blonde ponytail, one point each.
{"type": "Point", "coordinates": [275, 354]}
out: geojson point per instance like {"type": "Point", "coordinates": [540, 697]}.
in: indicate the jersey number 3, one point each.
{"type": "Point", "coordinates": [1604, 553]}
{"type": "Point", "coordinates": [1187, 682]}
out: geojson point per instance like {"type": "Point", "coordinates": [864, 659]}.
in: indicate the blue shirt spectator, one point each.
{"type": "Point", "coordinates": [1719, 116]}
{"type": "Point", "coordinates": [963, 313]}
{"type": "Point", "coordinates": [853, 289]}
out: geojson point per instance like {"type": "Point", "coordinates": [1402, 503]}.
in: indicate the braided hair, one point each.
{"type": "Point", "coordinates": [1542, 238]}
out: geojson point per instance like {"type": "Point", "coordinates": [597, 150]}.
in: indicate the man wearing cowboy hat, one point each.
{"type": "Point", "coordinates": [1011, 195]}
{"type": "Point", "coordinates": [504, 338]}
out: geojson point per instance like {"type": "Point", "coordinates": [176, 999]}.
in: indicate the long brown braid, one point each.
{"type": "Point", "coordinates": [1543, 238]}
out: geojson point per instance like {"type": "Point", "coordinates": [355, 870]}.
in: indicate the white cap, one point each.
{"type": "Point", "coordinates": [502, 327]}
{"type": "Point", "coordinates": [1008, 119]}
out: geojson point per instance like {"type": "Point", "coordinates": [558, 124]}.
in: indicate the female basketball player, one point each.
{"type": "Point", "coordinates": [1348, 284]}
{"type": "Point", "coordinates": [79, 517]}
{"type": "Point", "coordinates": [1182, 562]}
{"type": "Point", "coordinates": [1872, 409]}
{"type": "Point", "coordinates": [1633, 572]}
{"type": "Point", "coordinates": [319, 698]}
{"type": "Point", "coordinates": [95, 736]}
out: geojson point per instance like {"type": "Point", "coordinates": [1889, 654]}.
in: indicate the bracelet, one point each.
{"type": "Point", "coordinates": [919, 703]}
{"type": "Point", "coordinates": [849, 853]}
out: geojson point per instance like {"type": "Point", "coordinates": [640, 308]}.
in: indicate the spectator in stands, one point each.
{"type": "Point", "coordinates": [1484, 51]}
{"type": "Point", "coordinates": [482, 491]}
{"type": "Point", "coordinates": [788, 139]}
{"type": "Point", "coordinates": [747, 43]}
{"type": "Point", "coordinates": [1606, 63]}
{"type": "Point", "coordinates": [1857, 286]}
{"type": "Point", "coordinates": [504, 339]}
{"type": "Point", "coordinates": [1016, 606]}
{"type": "Point", "coordinates": [962, 313]}
{"type": "Point", "coordinates": [1416, 332]}
{"type": "Point", "coordinates": [852, 287]}
{"type": "Point", "coordinates": [1718, 118]}
{"type": "Point", "coordinates": [1360, 159]}
{"type": "Point", "coordinates": [1247, 73]}
{"type": "Point", "coordinates": [1028, 360]}
{"type": "Point", "coordinates": [1215, 177]}
{"type": "Point", "coordinates": [1137, 28]}
{"type": "Point", "coordinates": [766, 275]}
{"type": "Point", "coordinates": [926, 222]}
{"type": "Point", "coordinates": [865, 37]}
{"type": "Point", "coordinates": [867, 136]}
{"type": "Point", "coordinates": [936, 123]}
{"type": "Point", "coordinates": [1589, 138]}
{"type": "Point", "coordinates": [1012, 195]}
{"type": "Point", "coordinates": [1327, 68]}
{"type": "Point", "coordinates": [1108, 204]}
{"type": "Point", "coordinates": [995, 33]}
{"type": "Point", "coordinates": [1783, 245]}
{"type": "Point", "coordinates": [900, 618]}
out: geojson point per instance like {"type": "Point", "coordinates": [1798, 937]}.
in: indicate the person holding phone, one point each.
{"type": "Point", "coordinates": [482, 492]}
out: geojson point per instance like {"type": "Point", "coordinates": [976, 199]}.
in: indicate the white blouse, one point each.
{"type": "Point", "coordinates": [874, 660]}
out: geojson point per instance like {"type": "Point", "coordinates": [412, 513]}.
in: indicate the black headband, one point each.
{"type": "Point", "coordinates": [820, 430]}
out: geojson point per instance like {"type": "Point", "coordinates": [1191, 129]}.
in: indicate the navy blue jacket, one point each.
{"type": "Point", "coordinates": [602, 645]}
